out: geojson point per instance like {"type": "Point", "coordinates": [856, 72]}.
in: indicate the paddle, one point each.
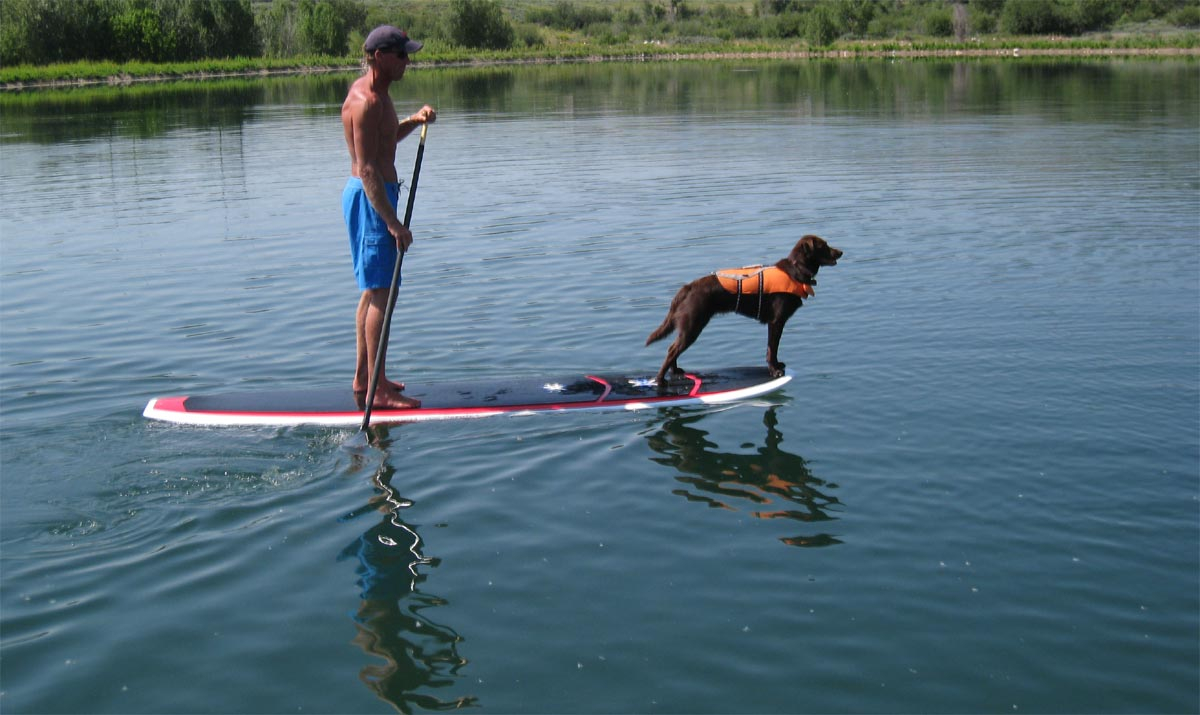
{"type": "Point", "coordinates": [391, 304]}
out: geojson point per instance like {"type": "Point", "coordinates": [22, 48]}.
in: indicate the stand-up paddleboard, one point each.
{"type": "Point", "coordinates": [474, 398]}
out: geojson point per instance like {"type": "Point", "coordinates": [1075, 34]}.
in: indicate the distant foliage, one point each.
{"type": "Point", "coordinates": [939, 23]}
{"type": "Point", "coordinates": [1188, 16]}
{"type": "Point", "coordinates": [140, 33]}
{"type": "Point", "coordinates": [565, 15]}
{"type": "Point", "coordinates": [1033, 17]}
{"type": "Point", "coordinates": [220, 28]}
{"type": "Point", "coordinates": [45, 31]}
{"type": "Point", "coordinates": [1073, 17]}
{"type": "Point", "coordinates": [325, 25]}
{"type": "Point", "coordinates": [821, 26]}
{"type": "Point", "coordinates": [480, 24]}
{"type": "Point", "coordinates": [42, 32]}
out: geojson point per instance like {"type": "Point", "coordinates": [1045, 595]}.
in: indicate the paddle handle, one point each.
{"type": "Point", "coordinates": [391, 303]}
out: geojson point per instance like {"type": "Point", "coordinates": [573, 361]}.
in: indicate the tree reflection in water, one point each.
{"type": "Point", "coordinates": [726, 479]}
{"type": "Point", "coordinates": [392, 619]}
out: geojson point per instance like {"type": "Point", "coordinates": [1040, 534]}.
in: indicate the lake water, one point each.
{"type": "Point", "coordinates": [979, 494]}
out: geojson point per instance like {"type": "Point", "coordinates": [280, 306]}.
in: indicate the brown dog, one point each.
{"type": "Point", "coordinates": [769, 295]}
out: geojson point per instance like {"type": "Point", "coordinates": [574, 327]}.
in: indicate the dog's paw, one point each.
{"type": "Point", "coordinates": [777, 369]}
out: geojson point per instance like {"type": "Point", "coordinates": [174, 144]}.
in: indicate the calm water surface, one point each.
{"type": "Point", "coordinates": [979, 494]}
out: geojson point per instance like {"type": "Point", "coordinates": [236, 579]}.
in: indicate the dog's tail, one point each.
{"type": "Point", "coordinates": [662, 331]}
{"type": "Point", "coordinates": [668, 324]}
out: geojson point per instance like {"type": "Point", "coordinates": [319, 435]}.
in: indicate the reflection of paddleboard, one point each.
{"type": "Point", "coordinates": [473, 398]}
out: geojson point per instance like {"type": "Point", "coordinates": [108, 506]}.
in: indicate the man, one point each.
{"type": "Point", "coordinates": [371, 195]}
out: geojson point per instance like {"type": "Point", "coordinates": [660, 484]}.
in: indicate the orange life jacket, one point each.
{"type": "Point", "coordinates": [756, 280]}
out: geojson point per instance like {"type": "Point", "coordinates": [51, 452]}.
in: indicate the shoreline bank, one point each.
{"type": "Point", "coordinates": [1012, 52]}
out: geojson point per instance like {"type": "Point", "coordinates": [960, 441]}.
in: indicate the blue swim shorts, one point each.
{"type": "Point", "coordinates": [372, 248]}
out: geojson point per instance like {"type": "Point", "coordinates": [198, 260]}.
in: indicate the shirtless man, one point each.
{"type": "Point", "coordinates": [371, 195]}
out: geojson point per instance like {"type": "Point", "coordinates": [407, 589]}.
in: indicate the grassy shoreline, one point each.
{"type": "Point", "coordinates": [85, 74]}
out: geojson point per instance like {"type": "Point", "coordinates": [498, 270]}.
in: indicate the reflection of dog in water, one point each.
{"type": "Point", "coordinates": [722, 479]}
{"type": "Point", "coordinates": [393, 621]}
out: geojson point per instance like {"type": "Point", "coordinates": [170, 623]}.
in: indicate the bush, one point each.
{"type": "Point", "coordinates": [325, 27]}
{"type": "Point", "coordinates": [139, 33]}
{"type": "Point", "coordinates": [1093, 15]}
{"type": "Point", "coordinates": [480, 24]}
{"type": "Point", "coordinates": [1188, 16]}
{"type": "Point", "coordinates": [1035, 17]}
{"type": "Point", "coordinates": [745, 28]}
{"type": "Point", "coordinates": [939, 23]}
{"type": "Point", "coordinates": [788, 24]}
{"type": "Point", "coordinates": [528, 34]}
{"type": "Point", "coordinates": [982, 22]}
{"type": "Point", "coordinates": [856, 15]}
{"type": "Point", "coordinates": [564, 15]}
{"type": "Point", "coordinates": [821, 28]}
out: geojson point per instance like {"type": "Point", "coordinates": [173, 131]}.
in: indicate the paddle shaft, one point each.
{"type": "Point", "coordinates": [391, 303]}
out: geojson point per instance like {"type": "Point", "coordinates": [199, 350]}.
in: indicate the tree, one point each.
{"type": "Point", "coordinates": [279, 25]}
{"type": "Point", "coordinates": [939, 22]}
{"type": "Point", "coordinates": [140, 33]}
{"type": "Point", "coordinates": [325, 25]}
{"type": "Point", "coordinates": [480, 24]}
{"type": "Point", "coordinates": [226, 27]}
{"type": "Point", "coordinates": [856, 15]}
{"type": "Point", "coordinates": [1034, 17]}
{"type": "Point", "coordinates": [321, 30]}
{"type": "Point", "coordinates": [41, 31]}
{"type": "Point", "coordinates": [1094, 14]}
{"type": "Point", "coordinates": [820, 26]}
{"type": "Point", "coordinates": [19, 31]}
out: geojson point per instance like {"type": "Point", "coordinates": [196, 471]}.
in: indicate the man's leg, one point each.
{"type": "Point", "coordinates": [362, 373]}
{"type": "Point", "coordinates": [369, 324]}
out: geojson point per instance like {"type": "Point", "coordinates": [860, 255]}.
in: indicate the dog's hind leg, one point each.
{"type": "Point", "coordinates": [685, 335]}
{"type": "Point", "coordinates": [670, 363]}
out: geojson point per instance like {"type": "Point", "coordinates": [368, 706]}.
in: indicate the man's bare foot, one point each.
{"type": "Point", "coordinates": [397, 386]}
{"type": "Point", "coordinates": [389, 399]}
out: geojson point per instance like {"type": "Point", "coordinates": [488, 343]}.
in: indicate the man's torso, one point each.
{"type": "Point", "coordinates": [377, 114]}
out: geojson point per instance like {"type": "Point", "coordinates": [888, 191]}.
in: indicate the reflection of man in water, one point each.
{"type": "Point", "coordinates": [418, 653]}
{"type": "Point", "coordinates": [720, 478]}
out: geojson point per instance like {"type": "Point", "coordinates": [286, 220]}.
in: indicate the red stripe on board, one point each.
{"type": "Point", "coordinates": [602, 381]}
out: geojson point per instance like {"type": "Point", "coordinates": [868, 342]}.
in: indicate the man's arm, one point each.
{"type": "Point", "coordinates": [366, 121]}
{"type": "Point", "coordinates": [427, 115]}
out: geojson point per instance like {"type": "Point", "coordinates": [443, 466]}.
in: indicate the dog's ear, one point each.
{"type": "Point", "coordinates": [802, 250]}
{"type": "Point", "coordinates": [796, 264]}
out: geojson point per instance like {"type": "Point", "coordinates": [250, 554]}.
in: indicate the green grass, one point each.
{"type": "Point", "coordinates": [114, 72]}
{"type": "Point", "coordinates": [573, 48]}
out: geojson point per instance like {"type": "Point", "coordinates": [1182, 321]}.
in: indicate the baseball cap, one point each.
{"type": "Point", "coordinates": [386, 37]}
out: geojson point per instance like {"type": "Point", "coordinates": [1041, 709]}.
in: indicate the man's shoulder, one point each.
{"type": "Point", "coordinates": [362, 99]}
{"type": "Point", "coordinates": [364, 90]}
